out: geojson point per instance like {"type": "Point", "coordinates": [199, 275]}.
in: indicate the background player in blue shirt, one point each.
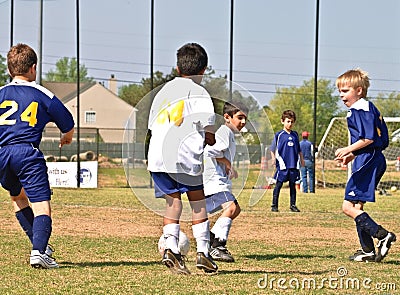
{"type": "Point", "coordinates": [25, 109]}
{"type": "Point", "coordinates": [307, 171]}
{"type": "Point", "coordinates": [285, 151]}
{"type": "Point", "coordinates": [368, 137]}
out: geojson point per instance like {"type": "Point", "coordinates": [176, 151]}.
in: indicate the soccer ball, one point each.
{"type": "Point", "coordinates": [183, 244]}
{"type": "Point", "coordinates": [393, 188]}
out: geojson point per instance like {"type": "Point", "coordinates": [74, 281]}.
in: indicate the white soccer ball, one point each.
{"type": "Point", "coordinates": [183, 244]}
{"type": "Point", "coordinates": [393, 188]}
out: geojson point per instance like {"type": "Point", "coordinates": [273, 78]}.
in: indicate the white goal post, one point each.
{"type": "Point", "coordinates": [331, 174]}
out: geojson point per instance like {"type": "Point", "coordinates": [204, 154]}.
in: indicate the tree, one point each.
{"type": "Point", "coordinates": [66, 71]}
{"type": "Point", "coordinates": [3, 71]}
{"type": "Point", "coordinates": [388, 106]}
{"type": "Point", "coordinates": [301, 101]}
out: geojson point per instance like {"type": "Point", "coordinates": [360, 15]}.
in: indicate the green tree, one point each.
{"type": "Point", "coordinates": [66, 71]}
{"type": "Point", "coordinates": [3, 71]}
{"type": "Point", "coordinates": [301, 101]}
{"type": "Point", "coordinates": [388, 106]}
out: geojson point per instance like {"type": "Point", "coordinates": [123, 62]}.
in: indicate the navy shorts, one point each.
{"type": "Point", "coordinates": [169, 183]}
{"type": "Point", "coordinates": [23, 166]}
{"type": "Point", "coordinates": [291, 175]}
{"type": "Point", "coordinates": [214, 202]}
{"type": "Point", "coordinates": [367, 171]}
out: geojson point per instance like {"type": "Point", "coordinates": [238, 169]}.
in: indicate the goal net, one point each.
{"type": "Point", "coordinates": [329, 173]}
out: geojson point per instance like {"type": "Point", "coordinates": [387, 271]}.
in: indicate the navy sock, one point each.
{"type": "Point", "coordinates": [367, 224]}
{"type": "Point", "coordinates": [25, 219]}
{"type": "Point", "coordinates": [41, 232]}
{"type": "Point", "coordinates": [366, 241]}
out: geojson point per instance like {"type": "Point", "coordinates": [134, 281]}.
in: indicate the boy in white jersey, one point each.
{"type": "Point", "coordinates": [218, 172]}
{"type": "Point", "coordinates": [181, 122]}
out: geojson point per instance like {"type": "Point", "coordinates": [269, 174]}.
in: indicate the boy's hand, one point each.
{"type": "Point", "coordinates": [232, 173]}
{"type": "Point", "coordinates": [66, 138]}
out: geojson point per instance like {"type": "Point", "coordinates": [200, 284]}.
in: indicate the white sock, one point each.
{"type": "Point", "coordinates": [201, 233]}
{"type": "Point", "coordinates": [222, 227]}
{"type": "Point", "coordinates": [171, 236]}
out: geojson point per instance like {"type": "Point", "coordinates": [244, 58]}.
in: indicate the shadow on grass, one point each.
{"type": "Point", "coordinates": [266, 271]}
{"type": "Point", "coordinates": [69, 264]}
{"type": "Point", "coordinates": [289, 256]}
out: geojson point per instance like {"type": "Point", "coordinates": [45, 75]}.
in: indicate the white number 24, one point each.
{"type": "Point", "coordinates": [28, 115]}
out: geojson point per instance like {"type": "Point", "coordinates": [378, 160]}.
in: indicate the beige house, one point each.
{"type": "Point", "coordinates": [101, 110]}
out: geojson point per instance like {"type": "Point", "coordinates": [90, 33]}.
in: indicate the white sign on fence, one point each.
{"type": "Point", "coordinates": [63, 174]}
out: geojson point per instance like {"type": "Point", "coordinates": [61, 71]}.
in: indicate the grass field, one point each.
{"type": "Point", "coordinates": [106, 243]}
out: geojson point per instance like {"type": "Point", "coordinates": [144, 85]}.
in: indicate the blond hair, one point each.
{"type": "Point", "coordinates": [354, 78]}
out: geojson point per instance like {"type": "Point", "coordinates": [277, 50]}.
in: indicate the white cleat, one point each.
{"type": "Point", "coordinates": [39, 260]}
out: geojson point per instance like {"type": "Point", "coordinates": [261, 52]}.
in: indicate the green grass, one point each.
{"type": "Point", "coordinates": [106, 243]}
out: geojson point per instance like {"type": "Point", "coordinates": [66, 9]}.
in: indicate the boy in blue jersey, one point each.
{"type": "Point", "coordinates": [368, 138]}
{"type": "Point", "coordinates": [285, 151]}
{"type": "Point", "coordinates": [218, 172]}
{"type": "Point", "coordinates": [25, 109]}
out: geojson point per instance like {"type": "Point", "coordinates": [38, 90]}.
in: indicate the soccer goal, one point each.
{"type": "Point", "coordinates": [330, 173]}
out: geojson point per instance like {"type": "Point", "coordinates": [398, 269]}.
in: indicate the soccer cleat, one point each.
{"type": "Point", "coordinates": [384, 246]}
{"type": "Point", "coordinates": [174, 262]}
{"type": "Point", "coordinates": [39, 260]}
{"type": "Point", "coordinates": [221, 253]}
{"type": "Point", "coordinates": [49, 250]}
{"type": "Point", "coordinates": [205, 263]}
{"type": "Point", "coordinates": [274, 209]}
{"type": "Point", "coordinates": [360, 256]}
{"type": "Point", "coordinates": [293, 208]}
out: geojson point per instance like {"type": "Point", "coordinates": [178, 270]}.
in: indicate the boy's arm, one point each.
{"type": "Point", "coordinates": [209, 136]}
{"type": "Point", "coordinates": [228, 167]}
{"type": "Point", "coordinates": [346, 151]}
{"type": "Point", "coordinates": [66, 138]}
{"type": "Point", "coordinates": [302, 163]}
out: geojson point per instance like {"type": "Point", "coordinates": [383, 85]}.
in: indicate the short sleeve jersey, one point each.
{"type": "Point", "coordinates": [364, 121]}
{"type": "Point", "coordinates": [215, 178]}
{"type": "Point", "coordinates": [306, 149]}
{"type": "Point", "coordinates": [25, 109]}
{"type": "Point", "coordinates": [178, 115]}
{"type": "Point", "coordinates": [286, 148]}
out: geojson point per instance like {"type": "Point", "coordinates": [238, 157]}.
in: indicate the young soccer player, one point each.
{"type": "Point", "coordinates": [369, 137]}
{"type": "Point", "coordinates": [218, 172]}
{"type": "Point", "coordinates": [285, 151]}
{"type": "Point", "coordinates": [25, 109]}
{"type": "Point", "coordinates": [181, 121]}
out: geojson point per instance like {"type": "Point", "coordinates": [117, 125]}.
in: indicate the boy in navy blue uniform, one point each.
{"type": "Point", "coordinates": [25, 109]}
{"type": "Point", "coordinates": [285, 151]}
{"type": "Point", "coordinates": [369, 137]}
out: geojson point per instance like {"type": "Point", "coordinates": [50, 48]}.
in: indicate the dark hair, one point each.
{"type": "Point", "coordinates": [20, 58]}
{"type": "Point", "coordinates": [191, 59]}
{"type": "Point", "coordinates": [288, 114]}
{"type": "Point", "coordinates": [231, 108]}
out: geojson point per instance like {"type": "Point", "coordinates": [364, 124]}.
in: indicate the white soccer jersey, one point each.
{"type": "Point", "coordinates": [178, 115]}
{"type": "Point", "coordinates": [215, 178]}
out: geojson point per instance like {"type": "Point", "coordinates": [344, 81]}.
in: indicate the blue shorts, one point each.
{"type": "Point", "coordinates": [169, 183]}
{"type": "Point", "coordinates": [23, 166]}
{"type": "Point", "coordinates": [291, 175]}
{"type": "Point", "coordinates": [214, 202]}
{"type": "Point", "coordinates": [367, 171]}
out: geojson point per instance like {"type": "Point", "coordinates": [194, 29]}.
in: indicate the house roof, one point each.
{"type": "Point", "coordinates": [66, 91]}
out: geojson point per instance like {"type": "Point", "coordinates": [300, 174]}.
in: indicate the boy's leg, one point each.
{"type": "Point", "coordinates": [23, 213]}
{"type": "Point", "coordinates": [201, 231]}
{"type": "Point", "coordinates": [292, 190]}
{"type": "Point", "coordinates": [172, 257]}
{"type": "Point", "coordinates": [275, 195]}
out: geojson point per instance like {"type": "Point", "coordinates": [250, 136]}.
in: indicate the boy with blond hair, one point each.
{"type": "Point", "coordinates": [368, 137]}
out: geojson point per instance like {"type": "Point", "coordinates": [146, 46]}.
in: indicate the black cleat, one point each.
{"type": "Point", "coordinates": [175, 262]}
{"type": "Point", "coordinates": [221, 253]}
{"type": "Point", "coordinates": [293, 208]}
{"type": "Point", "coordinates": [205, 263]}
{"type": "Point", "coordinates": [384, 246]}
{"type": "Point", "coordinates": [361, 256]}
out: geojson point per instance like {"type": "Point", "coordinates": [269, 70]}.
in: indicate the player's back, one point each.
{"type": "Point", "coordinates": [25, 109]}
